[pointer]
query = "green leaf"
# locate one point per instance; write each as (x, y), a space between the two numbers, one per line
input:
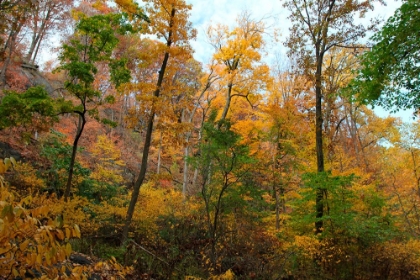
(390, 70)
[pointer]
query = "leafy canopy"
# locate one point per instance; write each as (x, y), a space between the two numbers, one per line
(390, 71)
(19, 109)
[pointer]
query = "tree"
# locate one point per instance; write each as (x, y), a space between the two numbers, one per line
(20, 109)
(390, 70)
(286, 131)
(169, 21)
(13, 20)
(356, 222)
(238, 56)
(318, 26)
(43, 17)
(229, 161)
(207, 82)
(94, 41)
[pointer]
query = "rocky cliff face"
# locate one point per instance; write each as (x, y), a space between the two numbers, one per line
(35, 78)
(22, 76)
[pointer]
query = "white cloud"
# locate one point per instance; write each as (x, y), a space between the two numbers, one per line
(205, 13)
(225, 12)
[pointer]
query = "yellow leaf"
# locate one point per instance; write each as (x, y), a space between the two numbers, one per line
(7, 163)
(98, 266)
(50, 236)
(2, 168)
(4, 250)
(24, 245)
(33, 258)
(39, 259)
(68, 249)
(76, 227)
(27, 200)
(48, 258)
(63, 269)
(60, 234)
(68, 233)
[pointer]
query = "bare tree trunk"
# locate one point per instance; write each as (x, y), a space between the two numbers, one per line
(159, 154)
(148, 138)
(185, 174)
(80, 127)
(319, 146)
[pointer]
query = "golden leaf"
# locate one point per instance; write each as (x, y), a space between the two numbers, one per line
(4, 250)
(68, 249)
(2, 168)
(76, 227)
(39, 259)
(24, 245)
(7, 163)
(60, 234)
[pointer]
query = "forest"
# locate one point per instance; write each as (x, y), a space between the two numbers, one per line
(124, 157)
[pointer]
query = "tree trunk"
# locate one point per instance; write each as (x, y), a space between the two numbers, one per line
(148, 138)
(319, 149)
(227, 105)
(159, 154)
(10, 45)
(80, 127)
(185, 174)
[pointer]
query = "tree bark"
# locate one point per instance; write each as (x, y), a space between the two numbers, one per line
(37, 37)
(318, 136)
(80, 127)
(148, 139)
(227, 105)
(10, 46)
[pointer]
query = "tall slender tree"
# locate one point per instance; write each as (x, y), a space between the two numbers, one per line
(318, 26)
(94, 41)
(169, 21)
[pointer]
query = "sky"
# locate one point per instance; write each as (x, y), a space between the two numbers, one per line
(205, 13)
(210, 12)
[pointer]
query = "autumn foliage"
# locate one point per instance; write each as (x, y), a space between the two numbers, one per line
(126, 158)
